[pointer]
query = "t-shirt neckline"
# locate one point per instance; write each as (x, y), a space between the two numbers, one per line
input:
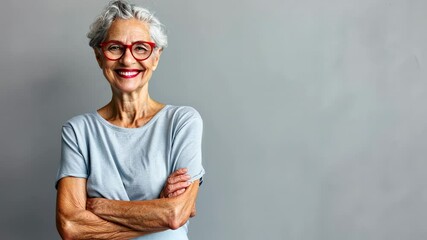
(123, 129)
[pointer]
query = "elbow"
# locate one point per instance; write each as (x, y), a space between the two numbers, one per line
(177, 219)
(66, 228)
(174, 224)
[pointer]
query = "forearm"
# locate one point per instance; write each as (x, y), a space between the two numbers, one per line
(150, 215)
(83, 224)
(146, 216)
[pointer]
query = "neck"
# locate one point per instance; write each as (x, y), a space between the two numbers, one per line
(130, 110)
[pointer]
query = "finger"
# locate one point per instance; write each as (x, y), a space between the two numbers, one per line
(178, 178)
(177, 193)
(170, 188)
(180, 171)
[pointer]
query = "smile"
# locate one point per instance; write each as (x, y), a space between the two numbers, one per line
(127, 73)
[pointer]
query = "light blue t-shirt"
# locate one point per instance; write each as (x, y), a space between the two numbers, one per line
(133, 163)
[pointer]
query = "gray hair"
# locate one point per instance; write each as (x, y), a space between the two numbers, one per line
(124, 10)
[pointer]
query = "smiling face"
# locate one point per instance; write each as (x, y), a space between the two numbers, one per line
(128, 75)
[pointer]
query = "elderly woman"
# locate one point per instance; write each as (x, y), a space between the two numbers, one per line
(132, 168)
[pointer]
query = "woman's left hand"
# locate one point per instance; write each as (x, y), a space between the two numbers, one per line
(176, 184)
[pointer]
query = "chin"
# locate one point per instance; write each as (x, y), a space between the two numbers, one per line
(128, 87)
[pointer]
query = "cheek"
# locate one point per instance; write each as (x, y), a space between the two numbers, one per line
(151, 64)
(146, 65)
(108, 71)
(107, 66)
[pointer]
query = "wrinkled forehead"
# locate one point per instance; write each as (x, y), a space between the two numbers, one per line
(128, 31)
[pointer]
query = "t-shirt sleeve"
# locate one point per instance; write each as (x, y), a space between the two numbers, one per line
(187, 147)
(72, 162)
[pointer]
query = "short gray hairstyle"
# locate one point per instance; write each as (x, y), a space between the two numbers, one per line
(124, 10)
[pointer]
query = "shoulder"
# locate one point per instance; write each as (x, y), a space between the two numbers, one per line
(81, 121)
(183, 117)
(182, 113)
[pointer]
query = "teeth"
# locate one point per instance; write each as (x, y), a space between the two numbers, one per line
(128, 73)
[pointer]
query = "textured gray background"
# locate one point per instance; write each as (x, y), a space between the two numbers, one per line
(314, 112)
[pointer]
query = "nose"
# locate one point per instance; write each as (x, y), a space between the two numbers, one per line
(127, 57)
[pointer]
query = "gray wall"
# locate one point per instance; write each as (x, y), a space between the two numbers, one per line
(314, 112)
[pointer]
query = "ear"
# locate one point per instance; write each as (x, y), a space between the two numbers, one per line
(98, 56)
(156, 58)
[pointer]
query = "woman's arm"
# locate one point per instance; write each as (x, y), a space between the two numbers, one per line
(148, 215)
(120, 219)
(73, 221)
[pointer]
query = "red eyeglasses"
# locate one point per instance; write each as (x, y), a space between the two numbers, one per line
(114, 50)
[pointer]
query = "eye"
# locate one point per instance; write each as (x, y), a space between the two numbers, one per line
(115, 48)
(141, 48)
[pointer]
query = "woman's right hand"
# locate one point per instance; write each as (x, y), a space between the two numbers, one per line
(176, 184)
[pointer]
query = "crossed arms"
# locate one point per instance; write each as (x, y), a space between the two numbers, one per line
(79, 217)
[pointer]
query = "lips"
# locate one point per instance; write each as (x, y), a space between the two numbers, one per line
(127, 73)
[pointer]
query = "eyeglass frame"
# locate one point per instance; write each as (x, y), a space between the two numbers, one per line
(127, 46)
